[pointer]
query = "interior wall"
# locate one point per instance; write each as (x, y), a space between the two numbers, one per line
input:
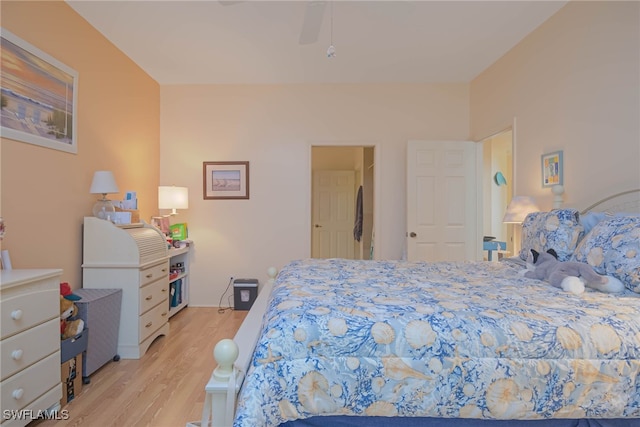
(500, 194)
(273, 126)
(337, 158)
(487, 181)
(45, 192)
(573, 85)
(360, 159)
(496, 157)
(368, 201)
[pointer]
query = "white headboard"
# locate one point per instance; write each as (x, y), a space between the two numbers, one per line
(625, 201)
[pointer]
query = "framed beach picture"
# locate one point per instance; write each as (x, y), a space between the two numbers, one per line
(225, 180)
(552, 169)
(39, 96)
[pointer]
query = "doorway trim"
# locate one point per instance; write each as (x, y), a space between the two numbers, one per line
(377, 152)
(506, 129)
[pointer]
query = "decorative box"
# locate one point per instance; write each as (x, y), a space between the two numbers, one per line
(179, 231)
(71, 373)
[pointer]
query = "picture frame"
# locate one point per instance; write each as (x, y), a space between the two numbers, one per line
(552, 169)
(161, 223)
(225, 180)
(39, 96)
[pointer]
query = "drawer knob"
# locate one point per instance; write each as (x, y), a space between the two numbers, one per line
(18, 393)
(16, 314)
(164, 314)
(16, 354)
(148, 325)
(149, 276)
(149, 298)
(164, 290)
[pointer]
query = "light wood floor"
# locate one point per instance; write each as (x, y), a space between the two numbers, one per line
(165, 388)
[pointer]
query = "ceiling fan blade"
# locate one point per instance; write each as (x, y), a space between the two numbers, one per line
(313, 15)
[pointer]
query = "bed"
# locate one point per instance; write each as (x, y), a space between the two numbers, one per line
(366, 343)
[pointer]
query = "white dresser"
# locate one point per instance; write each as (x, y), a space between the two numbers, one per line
(133, 258)
(30, 346)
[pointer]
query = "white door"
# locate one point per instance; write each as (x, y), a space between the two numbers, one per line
(333, 214)
(442, 203)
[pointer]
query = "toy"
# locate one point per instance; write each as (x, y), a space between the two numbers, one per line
(65, 291)
(569, 276)
(69, 327)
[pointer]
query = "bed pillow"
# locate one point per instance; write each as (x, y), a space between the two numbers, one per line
(590, 219)
(613, 247)
(559, 229)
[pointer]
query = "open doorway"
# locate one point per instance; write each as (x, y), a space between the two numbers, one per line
(498, 188)
(342, 202)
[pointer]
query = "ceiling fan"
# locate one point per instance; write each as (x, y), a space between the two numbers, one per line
(313, 17)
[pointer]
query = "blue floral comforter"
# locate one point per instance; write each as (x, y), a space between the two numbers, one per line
(453, 340)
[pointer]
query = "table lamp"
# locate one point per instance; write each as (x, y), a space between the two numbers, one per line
(518, 209)
(172, 197)
(103, 183)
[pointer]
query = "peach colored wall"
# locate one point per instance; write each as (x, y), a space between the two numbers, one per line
(274, 127)
(572, 85)
(45, 192)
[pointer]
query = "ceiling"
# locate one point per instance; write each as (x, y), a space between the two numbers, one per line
(257, 42)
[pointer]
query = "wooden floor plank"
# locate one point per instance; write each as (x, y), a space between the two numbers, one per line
(164, 388)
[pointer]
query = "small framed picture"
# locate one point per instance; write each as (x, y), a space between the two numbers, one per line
(552, 169)
(161, 223)
(225, 180)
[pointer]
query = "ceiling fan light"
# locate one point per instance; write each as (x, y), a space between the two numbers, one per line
(331, 52)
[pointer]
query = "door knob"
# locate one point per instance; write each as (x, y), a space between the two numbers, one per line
(317, 226)
(412, 234)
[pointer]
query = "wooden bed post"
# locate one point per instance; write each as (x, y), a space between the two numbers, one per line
(219, 404)
(558, 191)
(233, 358)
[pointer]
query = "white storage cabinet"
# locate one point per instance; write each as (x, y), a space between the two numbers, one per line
(134, 258)
(179, 285)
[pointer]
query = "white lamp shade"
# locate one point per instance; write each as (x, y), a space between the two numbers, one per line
(103, 183)
(518, 209)
(173, 197)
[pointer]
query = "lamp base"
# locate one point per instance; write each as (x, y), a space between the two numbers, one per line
(104, 209)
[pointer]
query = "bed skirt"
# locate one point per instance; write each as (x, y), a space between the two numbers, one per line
(350, 421)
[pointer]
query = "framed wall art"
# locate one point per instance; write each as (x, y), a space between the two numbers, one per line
(552, 169)
(39, 96)
(225, 180)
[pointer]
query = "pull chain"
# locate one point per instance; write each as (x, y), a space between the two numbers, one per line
(331, 52)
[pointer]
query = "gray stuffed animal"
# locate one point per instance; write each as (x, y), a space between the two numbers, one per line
(569, 276)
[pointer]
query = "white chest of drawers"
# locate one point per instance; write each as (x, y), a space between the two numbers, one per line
(135, 259)
(30, 343)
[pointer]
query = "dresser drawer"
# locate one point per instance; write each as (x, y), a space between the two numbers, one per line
(23, 311)
(20, 351)
(153, 294)
(153, 319)
(47, 400)
(153, 273)
(27, 385)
